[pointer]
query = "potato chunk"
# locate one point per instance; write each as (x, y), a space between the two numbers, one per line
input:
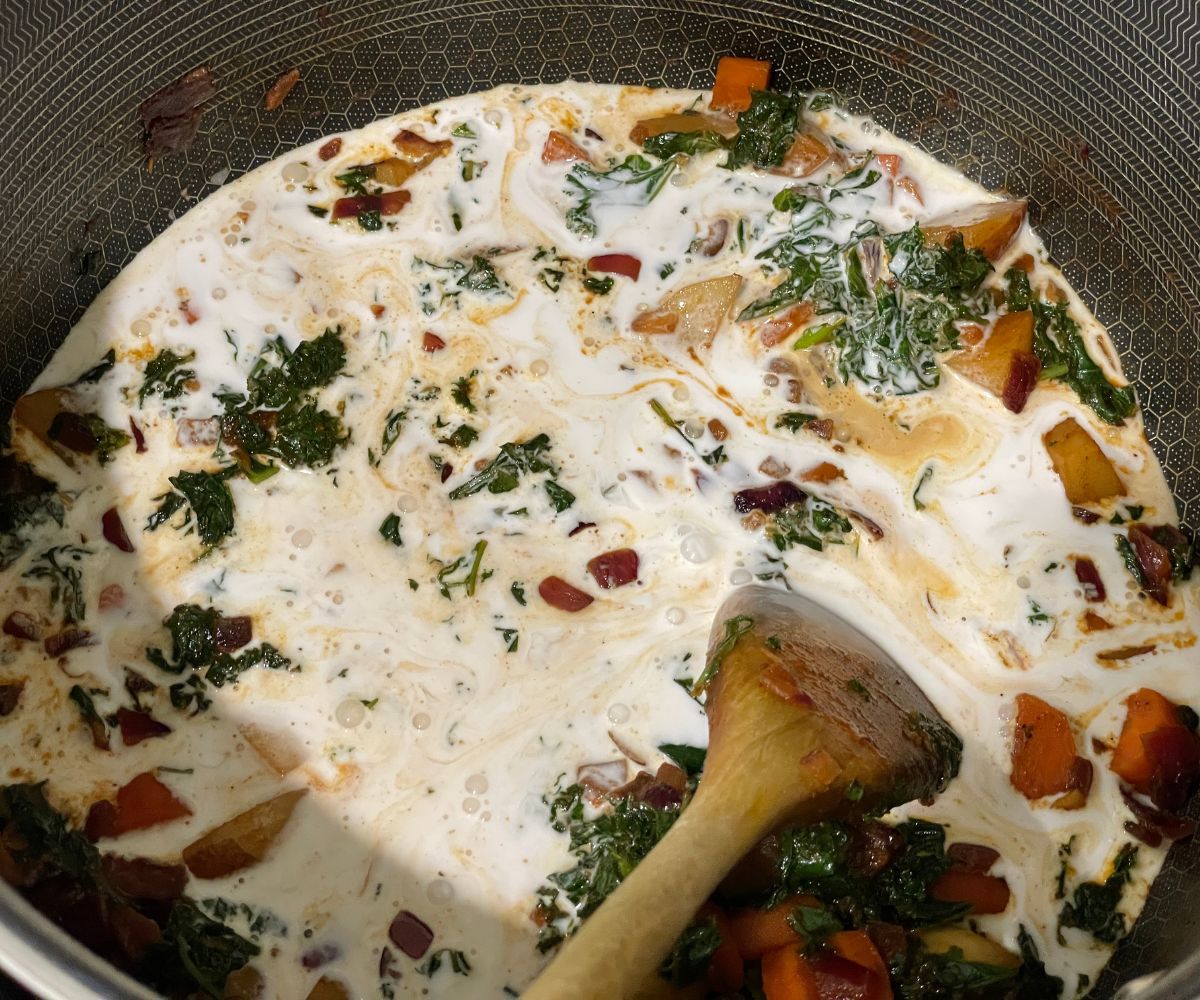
(988, 228)
(682, 121)
(989, 364)
(974, 947)
(242, 841)
(1086, 473)
(693, 313)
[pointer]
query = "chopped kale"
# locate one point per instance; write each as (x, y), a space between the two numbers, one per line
(391, 429)
(91, 717)
(390, 529)
(1020, 295)
(463, 436)
(902, 888)
(735, 628)
(461, 393)
(45, 836)
(165, 375)
(810, 522)
(193, 643)
(598, 286)
(518, 593)
(481, 277)
(471, 575)
(1060, 347)
(814, 924)
(668, 144)
(59, 566)
(503, 473)
(1033, 981)
(27, 501)
(1094, 906)
(926, 475)
(560, 497)
(947, 976)
(457, 961)
(936, 270)
(354, 180)
(98, 370)
(196, 951)
(369, 220)
(634, 181)
(690, 955)
(941, 740)
(306, 436)
(794, 420)
(312, 365)
(766, 129)
(209, 502)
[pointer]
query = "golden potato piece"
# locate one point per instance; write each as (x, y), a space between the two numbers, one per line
(35, 412)
(974, 947)
(278, 751)
(809, 152)
(245, 983)
(242, 841)
(990, 363)
(1086, 473)
(693, 313)
(988, 228)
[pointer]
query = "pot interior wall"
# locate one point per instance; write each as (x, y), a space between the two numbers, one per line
(1090, 108)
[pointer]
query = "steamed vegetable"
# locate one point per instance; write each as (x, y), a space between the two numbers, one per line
(1087, 474)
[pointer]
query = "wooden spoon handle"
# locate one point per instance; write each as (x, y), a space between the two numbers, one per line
(620, 946)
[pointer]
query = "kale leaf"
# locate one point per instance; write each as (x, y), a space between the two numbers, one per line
(690, 955)
(947, 976)
(165, 375)
(634, 181)
(809, 522)
(1064, 356)
(668, 144)
(503, 473)
(98, 370)
(766, 129)
(933, 269)
(46, 836)
(690, 759)
(210, 504)
(59, 566)
(307, 436)
(1093, 907)
(27, 501)
(196, 951)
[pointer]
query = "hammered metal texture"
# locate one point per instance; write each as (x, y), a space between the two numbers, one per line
(1090, 107)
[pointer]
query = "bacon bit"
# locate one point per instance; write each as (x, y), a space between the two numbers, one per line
(1125, 652)
(138, 726)
(280, 89)
(1155, 821)
(10, 695)
(875, 846)
(718, 430)
(447, 471)
(581, 526)
(655, 321)
(556, 592)
(197, 432)
(710, 244)
(112, 596)
(410, 934)
(321, 954)
(826, 472)
(1092, 622)
(1089, 579)
(114, 530)
(808, 153)
(598, 780)
(769, 499)
(143, 879)
(139, 439)
(971, 857)
(386, 969)
(822, 428)
(780, 327)
(1174, 753)
(66, 640)
(780, 681)
(189, 314)
(388, 203)
(143, 802)
(615, 568)
(418, 149)
(171, 116)
(22, 626)
(1154, 559)
(889, 163)
(1085, 515)
(1022, 379)
(623, 264)
(864, 522)
(377, 310)
(431, 343)
(230, 633)
(560, 149)
(330, 149)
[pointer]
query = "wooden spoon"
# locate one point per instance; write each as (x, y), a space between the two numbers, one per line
(807, 718)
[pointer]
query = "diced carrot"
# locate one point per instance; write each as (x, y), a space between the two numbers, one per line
(890, 162)
(786, 975)
(1145, 712)
(736, 77)
(858, 947)
(1043, 754)
(985, 893)
(560, 149)
(144, 801)
(756, 932)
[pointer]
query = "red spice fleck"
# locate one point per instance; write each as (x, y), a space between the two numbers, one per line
(112, 595)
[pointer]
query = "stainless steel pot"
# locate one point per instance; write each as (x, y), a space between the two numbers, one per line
(1091, 107)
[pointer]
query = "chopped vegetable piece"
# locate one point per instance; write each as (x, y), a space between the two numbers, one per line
(1087, 474)
(787, 975)
(1146, 712)
(988, 228)
(114, 530)
(410, 934)
(1044, 759)
(143, 802)
(990, 365)
(560, 149)
(556, 592)
(241, 841)
(694, 313)
(756, 932)
(985, 893)
(1089, 579)
(615, 568)
(623, 264)
(138, 726)
(736, 78)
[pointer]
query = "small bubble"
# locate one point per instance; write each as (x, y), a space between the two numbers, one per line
(338, 597)
(618, 713)
(697, 547)
(771, 379)
(231, 240)
(295, 173)
(1023, 582)
(676, 616)
(406, 502)
(740, 577)
(494, 119)
(302, 539)
(439, 891)
(470, 806)
(681, 394)
(218, 294)
(539, 368)
(350, 713)
(477, 784)
(421, 721)
(694, 429)
(140, 328)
